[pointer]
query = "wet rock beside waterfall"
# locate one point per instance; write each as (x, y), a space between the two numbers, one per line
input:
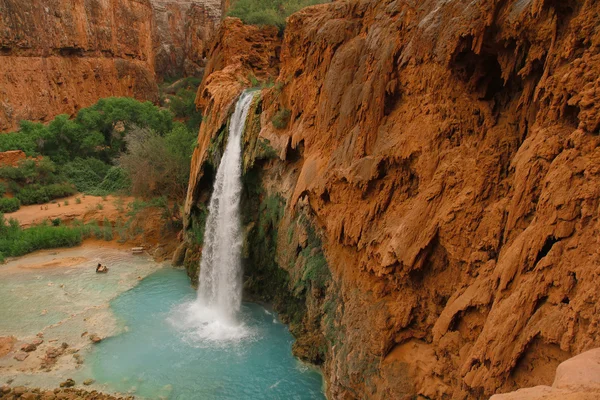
(68, 383)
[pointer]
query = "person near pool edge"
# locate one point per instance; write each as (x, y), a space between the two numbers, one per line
(101, 268)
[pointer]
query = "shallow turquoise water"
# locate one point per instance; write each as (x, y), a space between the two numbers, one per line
(155, 358)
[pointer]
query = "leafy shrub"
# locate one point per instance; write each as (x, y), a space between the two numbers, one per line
(85, 173)
(56, 222)
(281, 118)
(3, 189)
(159, 165)
(107, 230)
(15, 241)
(121, 229)
(78, 200)
(83, 150)
(268, 12)
(30, 171)
(116, 180)
(119, 204)
(264, 149)
(37, 194)
(95, 230)
(8, 205)
(93, 133)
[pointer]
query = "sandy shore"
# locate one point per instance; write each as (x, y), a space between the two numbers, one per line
(88, 208)
(54, 305)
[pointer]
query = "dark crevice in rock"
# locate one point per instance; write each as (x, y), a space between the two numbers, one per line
(543, 252)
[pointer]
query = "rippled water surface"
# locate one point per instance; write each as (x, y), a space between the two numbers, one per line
(160, 355)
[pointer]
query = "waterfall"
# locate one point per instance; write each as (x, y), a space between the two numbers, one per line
(220, 268)
(213, 316)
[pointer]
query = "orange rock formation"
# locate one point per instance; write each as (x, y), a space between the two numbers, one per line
(57, 57)
(11, 158)
(448, 152)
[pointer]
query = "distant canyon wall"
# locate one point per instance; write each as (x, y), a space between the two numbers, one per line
(182, 31)
(57, 56)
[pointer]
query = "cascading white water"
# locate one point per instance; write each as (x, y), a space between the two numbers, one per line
(213, 316)
(220, 268)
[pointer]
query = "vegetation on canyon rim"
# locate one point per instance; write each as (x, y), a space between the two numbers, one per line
(268, 12)
(116, 146)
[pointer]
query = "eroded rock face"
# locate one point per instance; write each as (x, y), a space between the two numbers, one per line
(60, 56)
(448, 154)
(57, 56)
(578, 378)
(237, 51)
(182, 33)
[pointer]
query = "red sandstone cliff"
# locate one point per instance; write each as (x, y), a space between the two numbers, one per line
(183, 29)
(448, 151)
(236, 51)
(57, 56)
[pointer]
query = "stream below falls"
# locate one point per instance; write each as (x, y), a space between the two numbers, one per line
(158, 357)
(149, 349)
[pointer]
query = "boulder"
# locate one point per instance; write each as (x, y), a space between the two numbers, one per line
(95, 338)
(28, 347)
(21, 356)
(68, 383)
(19, 390)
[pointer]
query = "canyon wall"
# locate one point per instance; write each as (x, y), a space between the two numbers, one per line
(183, 29)
(57, 56)
(424, 178)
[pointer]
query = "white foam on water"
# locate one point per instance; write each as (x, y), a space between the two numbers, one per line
(202, 326)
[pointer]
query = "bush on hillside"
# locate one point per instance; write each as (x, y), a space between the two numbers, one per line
(15, 241)
(116, 180)
(41, 171)
(96, 131)
(158, 165)
(8, 205)
(85, 173)
(268, 12)
(83, 150)
(281, 118)
(38, 194)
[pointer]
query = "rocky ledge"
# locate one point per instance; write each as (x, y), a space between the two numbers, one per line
(21, 392)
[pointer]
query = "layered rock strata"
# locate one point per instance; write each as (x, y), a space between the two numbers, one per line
(183, 30)
(57, 56)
